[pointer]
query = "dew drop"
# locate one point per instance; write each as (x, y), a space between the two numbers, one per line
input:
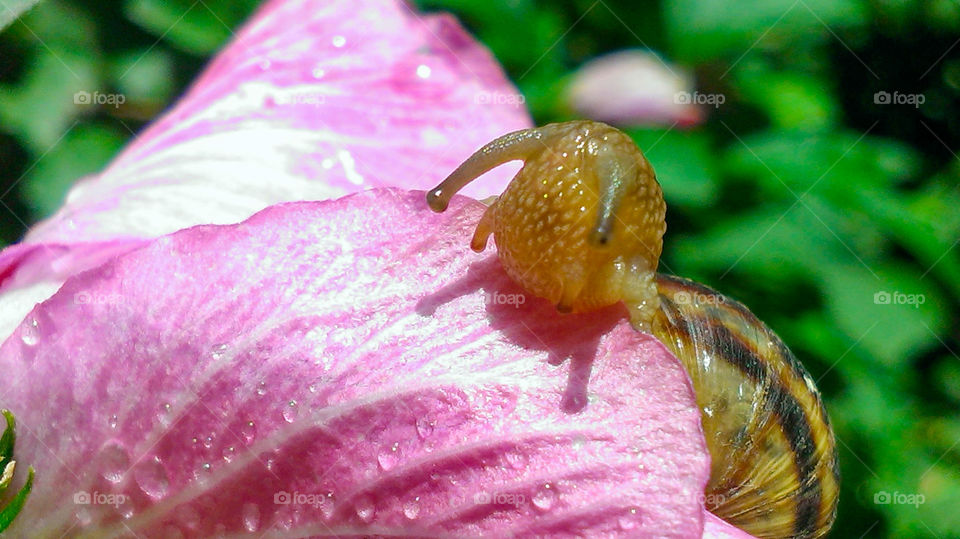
(290, 411)
(339, 41)
(112, 421)
(218, 352)
(329, 504)
(389, 458)
(424, 428)
(249, 431)
(262, 388)
(423, 71)
(151, 477)
(84, 518)
(251, 516)
(114, 461)
(412, 508)
(229, 453)
(545, 497)
(630, 520)
(517, 461)
(188, 516)
(163, 416)
(31, 333)
(208, 442)
(365, 509)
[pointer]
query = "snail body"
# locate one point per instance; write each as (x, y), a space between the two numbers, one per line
(581, 225)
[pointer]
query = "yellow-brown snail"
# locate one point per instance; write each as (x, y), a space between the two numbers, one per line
(581, 225)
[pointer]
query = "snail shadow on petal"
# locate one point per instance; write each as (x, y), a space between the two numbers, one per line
(534, 323)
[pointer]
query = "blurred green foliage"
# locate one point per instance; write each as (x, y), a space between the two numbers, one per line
(800, 195)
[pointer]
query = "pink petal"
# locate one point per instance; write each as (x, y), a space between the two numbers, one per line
(634, 87)
(314, 350)
(312, 100)
(715, 528)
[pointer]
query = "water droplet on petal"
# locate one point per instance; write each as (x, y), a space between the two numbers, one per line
(412, 508)
(114, 461)
(545, 497)
(251, 516)
(339, 41)
(112, 421)
(249, 431)
(423, 71)
(31, 333)
(365, 509)
(517, 461)
(389, 458)
(329, 504)
(83, 516)
(218, 352)
(290, 411)
(163, 416)
(424, 428)
(630, 520)
(262, 388)
(151, 477)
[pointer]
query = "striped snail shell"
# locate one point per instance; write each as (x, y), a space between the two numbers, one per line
(774, 463)
(581, 225)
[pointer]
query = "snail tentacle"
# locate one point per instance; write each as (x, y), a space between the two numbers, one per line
(510, 147)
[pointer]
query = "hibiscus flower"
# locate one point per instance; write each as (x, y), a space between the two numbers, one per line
(251, 322)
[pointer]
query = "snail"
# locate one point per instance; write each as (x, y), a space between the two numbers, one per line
(581, 225)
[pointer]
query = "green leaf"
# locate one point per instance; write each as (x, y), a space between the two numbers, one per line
(685, 164)
(144, 76)
(196, 28)
(789, 163)
(710, 29)
(13, 9)
(885, 309)
(791, 99)
(10, 512)
(8, 439)
(84, 150)
(44, 105)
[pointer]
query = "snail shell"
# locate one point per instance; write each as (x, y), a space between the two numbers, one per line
(774, 464)
(581, 225)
